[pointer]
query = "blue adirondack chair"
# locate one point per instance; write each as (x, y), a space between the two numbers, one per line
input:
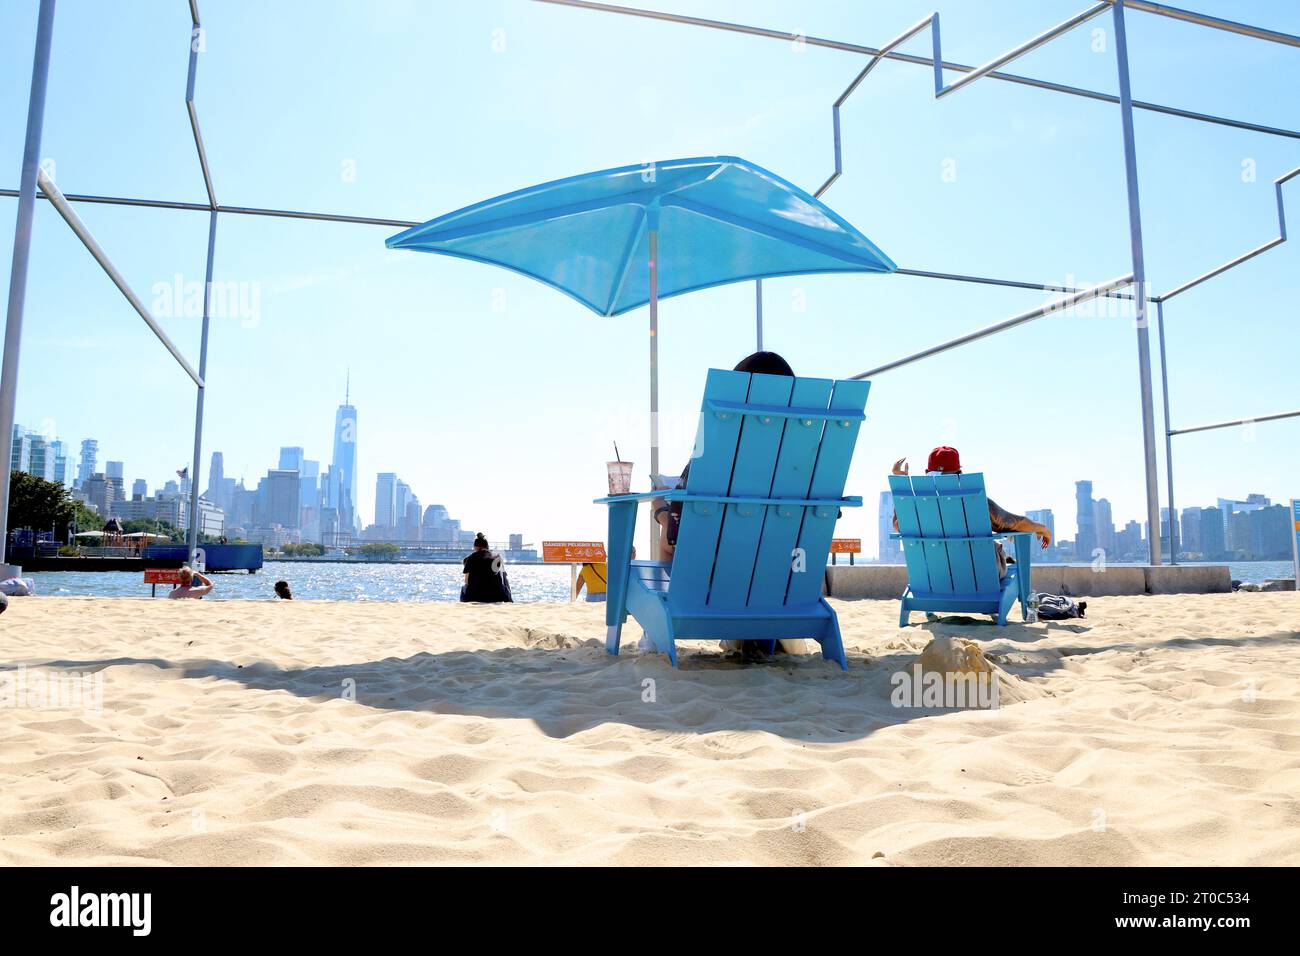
(758, 513)
(948, 544)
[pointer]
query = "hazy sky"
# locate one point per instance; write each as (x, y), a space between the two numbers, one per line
(499, 397)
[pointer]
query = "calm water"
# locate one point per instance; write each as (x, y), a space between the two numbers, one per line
(310, 581)
(400, 582)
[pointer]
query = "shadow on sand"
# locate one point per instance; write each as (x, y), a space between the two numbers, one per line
(575, 687)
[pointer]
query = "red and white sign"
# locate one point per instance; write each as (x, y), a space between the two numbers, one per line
(573, 552)
(162, 575)
(846, 545)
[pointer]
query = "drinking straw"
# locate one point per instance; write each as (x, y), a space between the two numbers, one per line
(616, 455)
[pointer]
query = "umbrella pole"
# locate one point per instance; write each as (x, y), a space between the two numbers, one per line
(758, 312)
(654, 380)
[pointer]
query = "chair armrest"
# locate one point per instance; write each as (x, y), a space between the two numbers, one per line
(635, 497)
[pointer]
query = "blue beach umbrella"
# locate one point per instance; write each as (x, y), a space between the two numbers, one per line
(622, 238)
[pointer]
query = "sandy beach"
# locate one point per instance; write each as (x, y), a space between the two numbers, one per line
(1158, 730)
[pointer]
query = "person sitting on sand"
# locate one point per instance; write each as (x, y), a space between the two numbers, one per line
(282, 591)
(188, 589)
(669, 516)
(945, 460)
(485, 582)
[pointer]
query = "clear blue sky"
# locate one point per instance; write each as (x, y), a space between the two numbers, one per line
(506, 414)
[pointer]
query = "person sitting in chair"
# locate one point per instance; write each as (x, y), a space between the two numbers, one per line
(669, 517)
(945, 460)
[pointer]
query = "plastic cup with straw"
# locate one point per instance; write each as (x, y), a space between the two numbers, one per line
(620, 474)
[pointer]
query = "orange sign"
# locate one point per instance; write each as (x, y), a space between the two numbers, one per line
(162, 576)
(846, 545)
(573, 552)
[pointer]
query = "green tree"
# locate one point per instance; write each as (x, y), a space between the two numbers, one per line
(378, 549)
(46, 505)
(308, 549)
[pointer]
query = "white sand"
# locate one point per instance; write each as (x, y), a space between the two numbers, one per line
(1159, 730)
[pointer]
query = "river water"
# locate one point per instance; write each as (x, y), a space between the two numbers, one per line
(396, 582)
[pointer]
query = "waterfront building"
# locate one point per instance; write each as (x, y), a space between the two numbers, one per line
(1189, 530)
(1213, 537)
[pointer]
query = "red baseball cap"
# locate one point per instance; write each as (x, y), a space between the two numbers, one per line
(944, 459)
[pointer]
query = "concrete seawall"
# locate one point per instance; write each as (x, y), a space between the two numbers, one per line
(887, 581)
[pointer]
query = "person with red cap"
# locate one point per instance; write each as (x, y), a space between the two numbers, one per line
(945, 460)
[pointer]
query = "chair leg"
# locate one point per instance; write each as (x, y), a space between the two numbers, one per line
(903, 612)
(1004, 605)
(622, 518)
(832, 643)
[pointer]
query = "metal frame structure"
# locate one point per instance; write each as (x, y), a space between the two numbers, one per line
(992, 70)
(27, 194)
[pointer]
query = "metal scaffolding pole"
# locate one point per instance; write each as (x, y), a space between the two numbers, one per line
(1254, 419)
(1140, 286)
(936, 63)
(202, 391)
(1051, 308)
(1169, 444)
(196, 43)
(79, 228)
(21, 259)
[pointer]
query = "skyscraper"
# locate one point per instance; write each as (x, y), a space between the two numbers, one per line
(1189, 526)
(59, 452)
(890, 551)
(89, 460)
(291, 459)
(115, 469)
(386, 499)
(342, 494)
(1086, 518)
(216, 492)
(401, 497)
(21, 456)
(1104, 525)
(1044, 517)
(281, 498)
(1213, 534)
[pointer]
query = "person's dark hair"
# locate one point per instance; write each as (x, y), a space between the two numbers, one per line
(768, 363)
(282, 589)
(480, 541)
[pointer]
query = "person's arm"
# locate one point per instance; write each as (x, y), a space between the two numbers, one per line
(1003, 520)
(205, 587)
